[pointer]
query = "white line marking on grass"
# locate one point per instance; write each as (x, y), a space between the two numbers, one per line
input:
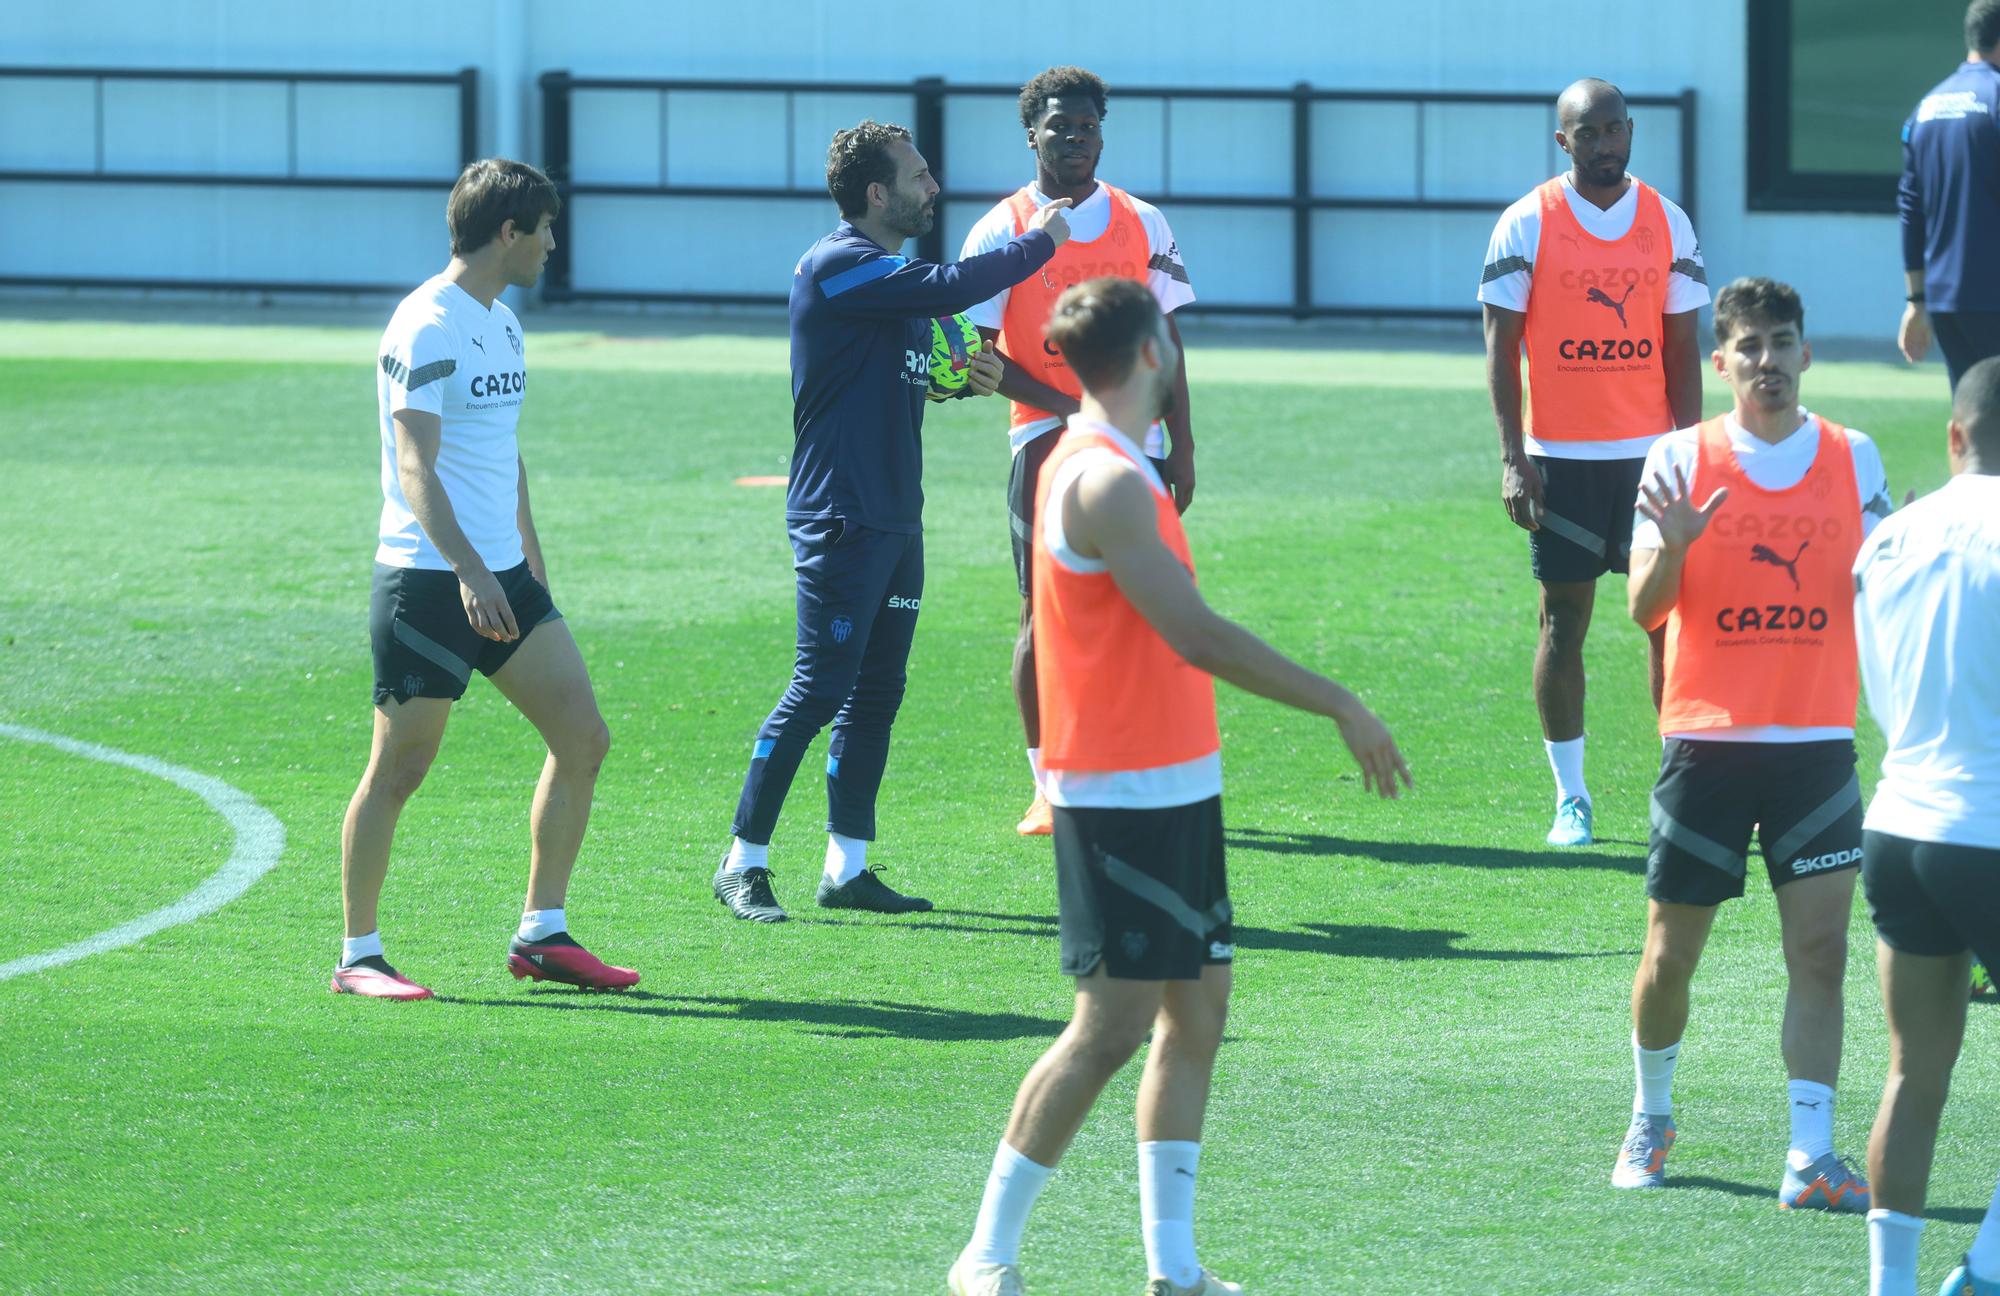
(260, 840)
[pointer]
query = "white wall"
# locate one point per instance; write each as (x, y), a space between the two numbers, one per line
(1847, 266)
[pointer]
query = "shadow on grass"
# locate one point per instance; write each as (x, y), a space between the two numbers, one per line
(953, 920)
(837, 1018)
(1488, 857)
(1397, 944)
(1949, 1214)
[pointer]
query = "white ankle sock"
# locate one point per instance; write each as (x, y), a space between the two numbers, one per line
(1566, 759)
(846, 857)
(361, 947)
(1984, 1257)
(1035, 765)
(1654, 1095)
(1812, 1122)
(1166, 1209)
(746, 855)
(1011, 1189)
(1892, 1253)
(540, 924)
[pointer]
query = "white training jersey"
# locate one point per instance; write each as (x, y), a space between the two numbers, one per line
(1927, 615)
(1510, 270)
(446, 354)
(1774, 468)
(1166, 275)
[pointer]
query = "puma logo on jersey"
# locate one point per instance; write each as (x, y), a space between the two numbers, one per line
(476, 342)
(1603, 298)
(1766, 554)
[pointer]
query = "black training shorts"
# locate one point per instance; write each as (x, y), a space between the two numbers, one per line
(1932, 899)
(1802, 800)
(1587, 518)
(1143, 892)
(424, 646)
(1023, 481)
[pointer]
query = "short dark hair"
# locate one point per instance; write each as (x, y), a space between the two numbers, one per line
(857, 158)
(1975, 406)
(1099, 326)
(1758, 298)
(1059, 83)
(1982, 25)
(491, 192)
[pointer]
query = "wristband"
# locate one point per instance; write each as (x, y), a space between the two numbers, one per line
(1915, 299)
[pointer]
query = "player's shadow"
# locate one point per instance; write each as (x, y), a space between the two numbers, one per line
(1432, 853)
(836, 1018)
(1949, 1214)
(1397, 944)
(954, 920)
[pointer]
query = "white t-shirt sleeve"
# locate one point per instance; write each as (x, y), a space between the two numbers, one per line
(1166, 273)
(1687, 282)
(416, 361)
(1510, 256)
(1675, 450)
(1871, 481)
(994, 231)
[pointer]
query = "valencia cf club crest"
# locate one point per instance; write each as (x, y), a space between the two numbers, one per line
(513, 338)
(1119, 236)
(1644, 235)
(1134, 944)
(840, 628)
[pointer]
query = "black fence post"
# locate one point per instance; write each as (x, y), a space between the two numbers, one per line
(1689, 170)
(556, 283)
(468, 114)
(929, 92)
(1302, 212)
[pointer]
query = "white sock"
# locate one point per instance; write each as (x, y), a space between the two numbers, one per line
(744, 855)
(846, 858)
(1566, 759)
(1984, 1257)
(1654, 1095)
(361, 947)
(1011, 1189)
(1035, 765)
(1812, 1122)
(540, 924)
(1892, 1253)
(1166, 1209)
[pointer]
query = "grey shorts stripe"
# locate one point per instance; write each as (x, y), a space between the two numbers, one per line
(1573, 533)
(1818, 821)
(417, 641)
(1705, 849)
(1163, 897)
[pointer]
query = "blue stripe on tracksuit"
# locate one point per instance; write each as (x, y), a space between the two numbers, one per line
(853, 647)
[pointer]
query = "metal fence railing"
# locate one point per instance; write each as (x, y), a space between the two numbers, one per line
(931, 99)
(96, 170)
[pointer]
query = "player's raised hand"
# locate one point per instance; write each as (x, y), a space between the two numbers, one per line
(1375, 751)
(987, 368)
(1667, 506)
(1054, 220)
(1521, 493)
(486, 606)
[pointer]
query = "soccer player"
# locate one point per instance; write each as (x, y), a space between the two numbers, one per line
(1949, 201)
(461, 584)
(1598, 279)
(1125, 648)
(861, 346)
(1757, 718)
(1111, 232)
(1927, 613)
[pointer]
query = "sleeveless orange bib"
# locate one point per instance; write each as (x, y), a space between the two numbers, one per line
(1121, 251)
(1594, 330)
(1114, 696)
(1763, 630)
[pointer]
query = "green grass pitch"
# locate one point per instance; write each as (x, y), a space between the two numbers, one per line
(1427, 1072)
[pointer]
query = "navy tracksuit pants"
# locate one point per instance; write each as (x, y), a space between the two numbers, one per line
(858, 594)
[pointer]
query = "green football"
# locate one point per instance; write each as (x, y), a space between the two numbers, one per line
(954, 341)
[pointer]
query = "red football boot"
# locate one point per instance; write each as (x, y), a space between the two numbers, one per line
(559, 958)
(373, 978)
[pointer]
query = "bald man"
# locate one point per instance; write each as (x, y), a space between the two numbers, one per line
(1598, 280)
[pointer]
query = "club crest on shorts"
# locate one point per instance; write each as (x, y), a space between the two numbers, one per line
(413, 685)
(1134, 944)
(840, 628)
